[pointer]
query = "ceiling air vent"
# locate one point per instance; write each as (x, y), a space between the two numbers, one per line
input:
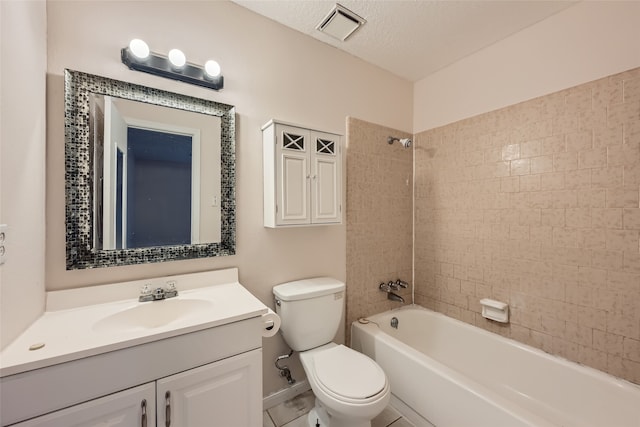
(340, 23)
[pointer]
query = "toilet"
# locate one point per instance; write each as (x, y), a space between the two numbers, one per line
(350, 388)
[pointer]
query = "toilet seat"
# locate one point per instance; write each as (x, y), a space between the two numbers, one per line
(348, 375)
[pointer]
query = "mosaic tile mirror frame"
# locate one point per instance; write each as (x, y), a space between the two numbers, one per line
(81, 252)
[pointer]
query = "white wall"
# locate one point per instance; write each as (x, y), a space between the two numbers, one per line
(22, 163)
(584, 42)
(270, 72)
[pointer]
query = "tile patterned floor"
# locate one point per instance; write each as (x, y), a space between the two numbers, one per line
(293, 413)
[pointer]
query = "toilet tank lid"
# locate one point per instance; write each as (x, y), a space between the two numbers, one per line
(308, 288)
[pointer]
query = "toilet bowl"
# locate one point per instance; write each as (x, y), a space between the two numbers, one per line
(350, 388)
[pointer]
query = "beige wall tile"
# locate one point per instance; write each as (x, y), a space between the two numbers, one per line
(549, 222)
(521, 167)
(531, 149)
(606, 136)
(541, 164)
(552, 181)
(621, 155)
(596, 158)
(622, 240)
(530, 183)
(578, 217)
(580, 141)
(631, 349)
(592, 238)
(631, 90)
(622, 198)
(565, 161)
(511, 152)
(623, 113)
(608, 342)
(606, 218)
(578, 179)
(610, 177)
(631, 262)
(552, 217)
(608, 260)
(379, 235)
(554, 144)
(631, 176)
(510, 184)
(593, 198)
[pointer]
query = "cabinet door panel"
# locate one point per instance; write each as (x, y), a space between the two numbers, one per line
(326, 190)
(292, 184)
(326, 185)
(122, 409)
(227, 393)
(293, 190)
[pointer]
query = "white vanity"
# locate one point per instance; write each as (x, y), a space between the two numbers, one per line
(107, 359)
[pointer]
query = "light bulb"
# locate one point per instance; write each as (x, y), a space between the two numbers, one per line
(177, 58)
(212, 68)
(139, 48)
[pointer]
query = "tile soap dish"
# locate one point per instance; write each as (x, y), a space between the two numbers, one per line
(495, 310)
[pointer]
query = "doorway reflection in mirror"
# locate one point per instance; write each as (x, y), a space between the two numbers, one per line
(156, 183)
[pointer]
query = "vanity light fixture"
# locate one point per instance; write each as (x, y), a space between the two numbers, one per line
(177, 58)
(139, 49)
(137, 56)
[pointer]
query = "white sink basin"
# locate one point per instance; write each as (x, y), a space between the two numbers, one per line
(153, 314)
(83, 322)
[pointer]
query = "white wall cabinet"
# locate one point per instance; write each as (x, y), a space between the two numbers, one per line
(302, 176)
(225, 393)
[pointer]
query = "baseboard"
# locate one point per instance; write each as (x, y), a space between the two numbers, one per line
(285, 394)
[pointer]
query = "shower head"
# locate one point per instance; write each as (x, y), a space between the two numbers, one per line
(405, 142)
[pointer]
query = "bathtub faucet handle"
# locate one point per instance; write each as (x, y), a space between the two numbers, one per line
(400, 284)
(385, 287)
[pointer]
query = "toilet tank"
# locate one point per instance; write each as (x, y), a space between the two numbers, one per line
(310, 311)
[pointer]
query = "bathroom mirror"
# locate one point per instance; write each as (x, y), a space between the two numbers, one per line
(149, 174)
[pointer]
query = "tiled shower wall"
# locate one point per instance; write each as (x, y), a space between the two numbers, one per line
(379, 217)
(536, 205)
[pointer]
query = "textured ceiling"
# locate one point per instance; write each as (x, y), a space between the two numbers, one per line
(413, 38)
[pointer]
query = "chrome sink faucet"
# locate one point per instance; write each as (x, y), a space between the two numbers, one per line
(158, 294)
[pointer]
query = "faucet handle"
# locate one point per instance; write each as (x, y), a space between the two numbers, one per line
(146, 293)
(171, 290)
(400, 284)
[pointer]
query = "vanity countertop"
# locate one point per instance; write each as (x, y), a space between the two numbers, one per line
(84, 322)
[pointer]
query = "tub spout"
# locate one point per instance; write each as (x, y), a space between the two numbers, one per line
(395, 297)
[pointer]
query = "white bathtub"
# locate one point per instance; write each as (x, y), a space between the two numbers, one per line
(450, 373)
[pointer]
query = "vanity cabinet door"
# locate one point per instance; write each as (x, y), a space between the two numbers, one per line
(227, 393)
(135, 407)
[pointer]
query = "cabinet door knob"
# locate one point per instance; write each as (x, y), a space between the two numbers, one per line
(167, 409)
